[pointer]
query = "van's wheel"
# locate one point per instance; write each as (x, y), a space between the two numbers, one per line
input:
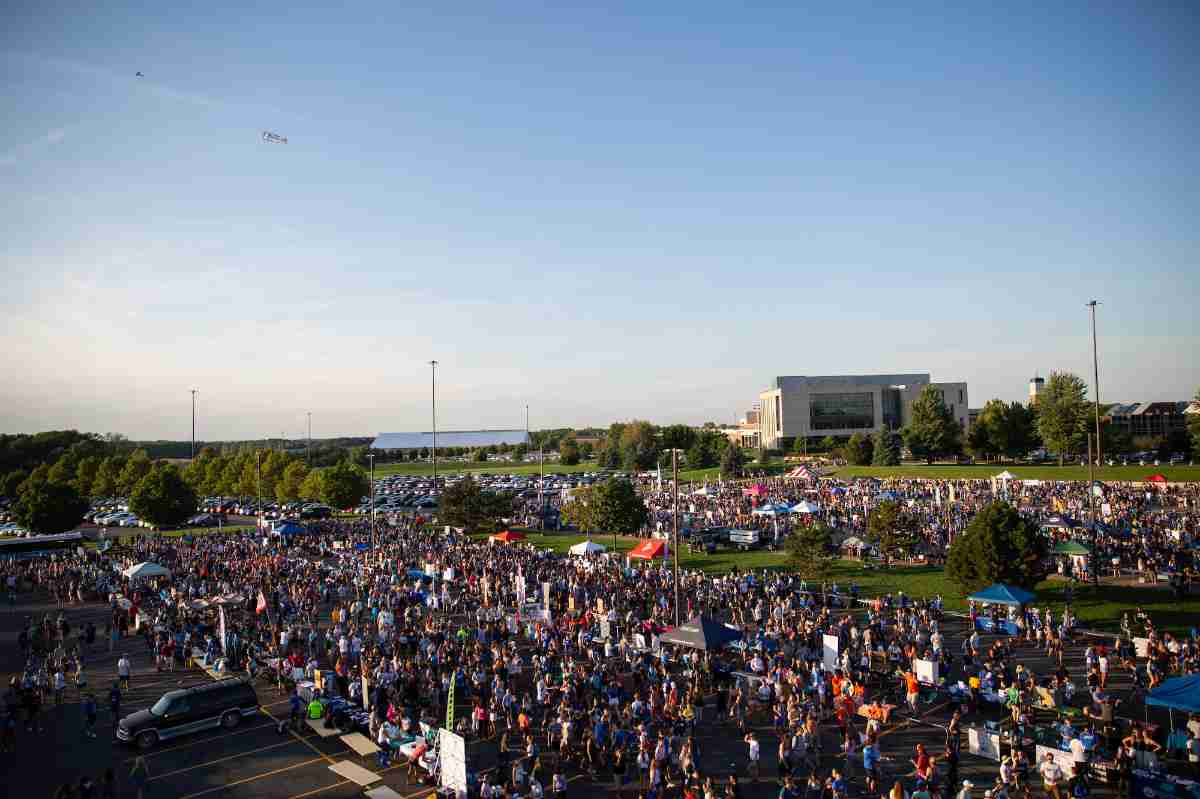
(231, 719)
(147, 739)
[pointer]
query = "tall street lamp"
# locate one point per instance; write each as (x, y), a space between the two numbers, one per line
(433, 394)
(1096, 377)
(675, 524)
(194, 390)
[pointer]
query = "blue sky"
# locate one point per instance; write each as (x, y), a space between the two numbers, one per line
(602, 212)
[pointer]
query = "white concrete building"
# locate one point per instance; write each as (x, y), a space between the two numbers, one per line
(841, 405)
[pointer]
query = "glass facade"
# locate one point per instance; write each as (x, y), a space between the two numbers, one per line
(842, 411)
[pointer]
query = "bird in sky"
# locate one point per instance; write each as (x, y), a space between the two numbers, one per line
(140, 75)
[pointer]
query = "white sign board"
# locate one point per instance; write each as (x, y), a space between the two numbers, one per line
(453, 755)
(829, 651)
(1065, 760)
(926, 671)
(983, 743)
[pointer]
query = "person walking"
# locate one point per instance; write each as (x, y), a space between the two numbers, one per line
(138, 774)
(754, 753)
(89, 715)
(114, 703)
(124, 671)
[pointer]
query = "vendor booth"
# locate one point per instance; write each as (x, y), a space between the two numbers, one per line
(649, 549)
(588, 547)
(1000, 594)
(146, 571)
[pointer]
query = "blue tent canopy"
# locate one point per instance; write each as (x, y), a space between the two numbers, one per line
(1177, 693)
(1000, 594)
(289, 528)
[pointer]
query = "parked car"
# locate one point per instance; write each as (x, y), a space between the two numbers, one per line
(218, 704)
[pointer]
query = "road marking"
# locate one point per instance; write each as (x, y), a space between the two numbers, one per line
(204, 740)
(223, 759)
(316, 791)
(304, 741)
(251, 779)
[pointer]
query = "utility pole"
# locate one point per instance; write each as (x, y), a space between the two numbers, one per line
(194, 423)
(308, 446)
(675, 515)
(1096, 377)
(1093, 560)
(433, 393)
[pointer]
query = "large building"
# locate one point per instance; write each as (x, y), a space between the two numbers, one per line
(842, 405)
(1157, 419)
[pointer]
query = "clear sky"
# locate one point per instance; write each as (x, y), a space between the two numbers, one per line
(605, 213)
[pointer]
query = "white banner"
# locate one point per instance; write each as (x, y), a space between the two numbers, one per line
(221, 612)
(983, 743)
(926, 671)
(830, 651)
(452, 752)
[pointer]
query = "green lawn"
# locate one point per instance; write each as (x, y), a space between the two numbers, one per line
(1100, 609)
(458, 467)
(951, 472)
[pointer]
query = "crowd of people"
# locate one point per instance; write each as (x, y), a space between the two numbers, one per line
(559, 661)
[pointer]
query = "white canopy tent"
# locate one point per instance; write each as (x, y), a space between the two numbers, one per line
(703, 492)
(804, 506)
(586, 548)
(1006, 475)
(145, 570)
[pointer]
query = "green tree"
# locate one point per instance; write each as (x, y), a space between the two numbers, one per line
(163, 497)
(519, 452)
(613, 506)
(809, 552)
(829, 443)
(859, 450)
(587, 451)
(50, 508)
(39, 475)
(480, 455)
(1062, 412)
(136, 467)
(213, 469)
(800, 445)
(639, 446)
(108, 476)
(344, 485)
(288, 487)
(12, 482)
(63, 469)
(86, 472)
(998, 546)
(678, 436)
(468, 506)
(1194, 424)
(885, 449)
(1020, 424)
(732, 462)
(568, 451)
(764, 456)
(932, 430)
(892, 528)
(988, 437)
(313, 487)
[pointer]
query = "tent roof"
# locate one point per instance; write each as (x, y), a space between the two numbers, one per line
(450, 438)
(1178, 693)
(702, 633)
(804, 506)
(1000, 594)
(649, 549)
(1005, 475)
(1156, 478)
(147, 569)
(586, 548)
(508, 536)
(1071, 548)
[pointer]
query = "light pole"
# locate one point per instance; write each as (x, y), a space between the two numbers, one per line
(194, 390)
(675, 523)
(1096, 377)
(433, 394)
(1093, 561)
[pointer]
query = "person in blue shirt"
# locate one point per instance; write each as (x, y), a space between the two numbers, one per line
(114, 703)
(89, 715)
(871, 757)
(297, 708)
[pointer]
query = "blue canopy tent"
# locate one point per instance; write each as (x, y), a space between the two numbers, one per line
(1001, 594)
(1177, 693)
(289, 528)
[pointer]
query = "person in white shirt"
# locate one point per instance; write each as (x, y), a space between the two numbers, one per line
(124, 671)
(754, 753)
(1051, 776)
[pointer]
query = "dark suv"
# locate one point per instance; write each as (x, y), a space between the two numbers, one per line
(219, 704)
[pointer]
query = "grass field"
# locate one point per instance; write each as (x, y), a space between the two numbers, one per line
(1099, 609)
(950, 472)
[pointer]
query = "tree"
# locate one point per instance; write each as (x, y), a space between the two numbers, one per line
(610, 507)
(639, 446)
(885, 449)
(731, 461)
(63, 470)
(36, 477)
(1020, 424)
(519, 452)
(932, 430)
(809, 551)
(108, 476)
(988, 436)
(568, 451)
(800, 445)
(288, 487)
(678, 436)
(998, 546)
(86, 472)
(891, 526)
(1194, 424)
(1062, 410)
(828, 443)
(163, 497)
(480, 455)
(12, 481)
(343, 485)
(587, 451)
(313, 487)
(137, 467)
(50, 508)
(465, 504)
(859, 450)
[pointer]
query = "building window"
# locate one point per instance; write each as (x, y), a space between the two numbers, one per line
(779, 414)
(960, 399)
(842, 411)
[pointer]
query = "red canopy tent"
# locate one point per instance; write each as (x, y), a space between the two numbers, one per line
(508, 536)
(1156, 478)
(649, 549)
(756, 490)
(800, 473)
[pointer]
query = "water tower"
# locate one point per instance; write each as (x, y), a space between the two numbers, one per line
(1035, 389)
